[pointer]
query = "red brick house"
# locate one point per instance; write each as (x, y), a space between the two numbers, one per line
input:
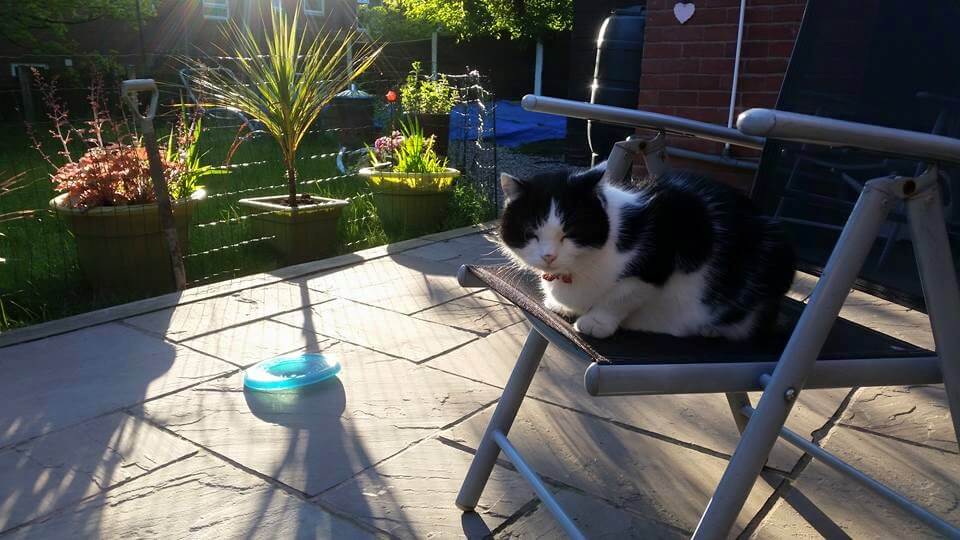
(687, 68)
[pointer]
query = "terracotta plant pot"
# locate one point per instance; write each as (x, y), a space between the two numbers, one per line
(120, 249)
(305, 233)
(410, 203)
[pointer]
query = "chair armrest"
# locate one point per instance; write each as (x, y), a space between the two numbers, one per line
(639, 119)
(466, 278)
(829, 132)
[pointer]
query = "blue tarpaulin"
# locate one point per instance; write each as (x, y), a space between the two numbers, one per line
(515, 126)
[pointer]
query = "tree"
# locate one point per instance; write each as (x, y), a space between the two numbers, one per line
(43, 25)
(515, 19)
(291, 79)
(388, 23)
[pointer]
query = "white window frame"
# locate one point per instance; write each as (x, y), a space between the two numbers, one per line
(209, 5)
(15, 65)
(315, 12)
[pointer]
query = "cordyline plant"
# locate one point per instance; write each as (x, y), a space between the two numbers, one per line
(286, 83)
(113, 169)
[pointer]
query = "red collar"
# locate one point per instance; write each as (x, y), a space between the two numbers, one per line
(566, 278)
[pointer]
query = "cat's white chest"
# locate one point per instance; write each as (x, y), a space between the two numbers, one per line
(587, 286)
(574, 297)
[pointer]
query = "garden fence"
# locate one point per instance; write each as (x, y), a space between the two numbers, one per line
(42, 278)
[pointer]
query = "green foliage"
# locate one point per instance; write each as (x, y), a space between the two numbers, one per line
(416, 154)
(420, 95)
(516, 19)
(7, 187)
(285, 83)
(43, 25)
(468, 207)
(183, 148)
(387, 23)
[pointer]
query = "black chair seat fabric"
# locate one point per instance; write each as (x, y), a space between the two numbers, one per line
(847, 339)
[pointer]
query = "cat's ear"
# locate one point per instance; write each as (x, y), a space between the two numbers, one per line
(512, 186)
(589, 178)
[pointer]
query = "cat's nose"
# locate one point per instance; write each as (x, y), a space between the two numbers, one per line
(549, 258)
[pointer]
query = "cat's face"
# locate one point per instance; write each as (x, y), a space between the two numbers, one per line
(551, 221)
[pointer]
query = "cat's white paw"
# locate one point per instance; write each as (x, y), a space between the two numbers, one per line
(597, 324)
(558, 308)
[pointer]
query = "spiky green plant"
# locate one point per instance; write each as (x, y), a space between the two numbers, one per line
(286, 82)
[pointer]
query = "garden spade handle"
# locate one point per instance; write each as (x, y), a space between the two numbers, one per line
(129, 89)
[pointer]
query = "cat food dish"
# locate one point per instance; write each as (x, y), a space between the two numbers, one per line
(679, 255)
(290, 372)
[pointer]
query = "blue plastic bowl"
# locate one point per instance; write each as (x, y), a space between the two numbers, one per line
(290, 372)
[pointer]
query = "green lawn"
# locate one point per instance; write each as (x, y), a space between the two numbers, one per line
(40, 280)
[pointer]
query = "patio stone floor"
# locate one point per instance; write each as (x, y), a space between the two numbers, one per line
(133, 422)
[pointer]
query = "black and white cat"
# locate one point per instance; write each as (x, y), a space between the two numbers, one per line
(680, 255)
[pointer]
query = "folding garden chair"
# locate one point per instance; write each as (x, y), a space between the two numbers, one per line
(812, 348)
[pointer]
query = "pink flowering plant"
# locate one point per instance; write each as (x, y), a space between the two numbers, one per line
(110, 167)
(411, 158)
(384, 147)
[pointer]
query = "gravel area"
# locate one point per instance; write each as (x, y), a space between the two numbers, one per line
(519, 164)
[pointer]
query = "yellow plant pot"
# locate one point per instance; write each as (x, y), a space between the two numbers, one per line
(411, 203)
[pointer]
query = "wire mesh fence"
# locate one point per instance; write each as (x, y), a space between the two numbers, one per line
(65, 261)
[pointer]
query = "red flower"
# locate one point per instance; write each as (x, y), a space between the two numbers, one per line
(391, 96)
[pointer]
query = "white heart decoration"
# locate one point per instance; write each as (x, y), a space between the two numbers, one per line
(683, 11)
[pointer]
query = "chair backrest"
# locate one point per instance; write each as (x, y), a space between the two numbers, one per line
(892, 63)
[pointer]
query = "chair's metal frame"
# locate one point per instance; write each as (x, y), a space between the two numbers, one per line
(798, 367)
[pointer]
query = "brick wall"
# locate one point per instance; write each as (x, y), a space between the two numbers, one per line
(688, 68)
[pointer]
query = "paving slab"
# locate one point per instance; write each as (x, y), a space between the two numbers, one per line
(658, 480)
(595, 519)
(889, 318)
(700, 419)
(412, 495)
(62, 468)
(481, 312)
(472, 249)
(189, 320)
(314, 439)
(248, 344)
(199, 497)
(62, 380)
(379, 329)
(825, 503)
(399, 283)
(918, 414)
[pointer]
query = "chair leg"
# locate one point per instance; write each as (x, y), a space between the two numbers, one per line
(503, 416)
(797, 359)
(737, 401)
(939, 279)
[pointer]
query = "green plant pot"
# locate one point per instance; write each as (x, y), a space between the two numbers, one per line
(302, 234)
(120, 249)
(409, 203)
